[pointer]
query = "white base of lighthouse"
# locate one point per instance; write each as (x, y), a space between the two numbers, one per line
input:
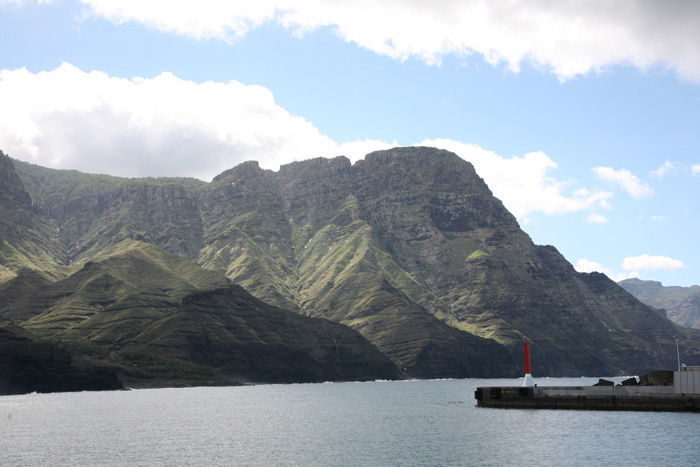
(528, 382)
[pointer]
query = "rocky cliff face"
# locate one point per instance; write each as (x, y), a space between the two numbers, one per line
(164, 215)
(11, 187)
(408, 247)
(26, 239)
(92, 212)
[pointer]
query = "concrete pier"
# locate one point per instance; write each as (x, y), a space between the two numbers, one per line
(658, 391)
(655, 399)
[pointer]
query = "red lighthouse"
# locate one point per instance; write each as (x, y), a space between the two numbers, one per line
(528, 382)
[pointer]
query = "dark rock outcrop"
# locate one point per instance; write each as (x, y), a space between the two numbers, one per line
(30, 366)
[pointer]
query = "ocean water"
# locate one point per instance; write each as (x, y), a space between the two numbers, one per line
(406, 423)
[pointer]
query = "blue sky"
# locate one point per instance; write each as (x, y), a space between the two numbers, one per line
(582, 117)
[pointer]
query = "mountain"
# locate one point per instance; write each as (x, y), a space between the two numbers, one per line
(413, 232)
(682, 304)
(159, 318)
(408, 247)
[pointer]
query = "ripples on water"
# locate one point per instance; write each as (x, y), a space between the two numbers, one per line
(426, 423)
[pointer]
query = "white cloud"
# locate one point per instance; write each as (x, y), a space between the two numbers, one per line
(203, 19)
(632, 266)
(567, 37)
(595, 218)
(625, 179)
(636, 263)
(663, 169)
(584, 265)
(658, 218)
(523, 184)
(67, 118)
(21, 2)
(695, 169)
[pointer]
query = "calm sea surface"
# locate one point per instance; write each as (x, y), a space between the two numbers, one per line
(430, 423)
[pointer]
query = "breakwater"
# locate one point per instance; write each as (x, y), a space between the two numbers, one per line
(638, 398)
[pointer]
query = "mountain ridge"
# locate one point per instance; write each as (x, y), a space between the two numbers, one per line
(682, 304)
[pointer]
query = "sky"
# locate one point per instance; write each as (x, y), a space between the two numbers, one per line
(582, 117)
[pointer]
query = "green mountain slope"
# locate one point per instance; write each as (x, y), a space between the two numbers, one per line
(165, 319)
(105, 299)
(244, 338)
